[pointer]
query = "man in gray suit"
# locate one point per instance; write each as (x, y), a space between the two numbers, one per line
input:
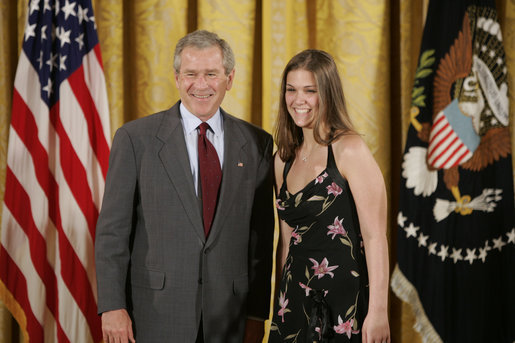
(164, 274)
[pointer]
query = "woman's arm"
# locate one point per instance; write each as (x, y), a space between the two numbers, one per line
(358, 166)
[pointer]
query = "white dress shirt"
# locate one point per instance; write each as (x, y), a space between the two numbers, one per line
(190, 124)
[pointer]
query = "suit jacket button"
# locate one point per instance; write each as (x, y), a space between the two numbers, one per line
(200, 281)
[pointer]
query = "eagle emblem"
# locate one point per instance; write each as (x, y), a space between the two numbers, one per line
(469, 128)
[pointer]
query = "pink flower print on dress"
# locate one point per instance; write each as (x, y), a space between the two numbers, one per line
(321, 178)
(298, 238)
(306, 288)
(334, 189)
(283, 302)
(317, 329)
(278, 204)
(322, 268)
(345, 328)
(336, 228)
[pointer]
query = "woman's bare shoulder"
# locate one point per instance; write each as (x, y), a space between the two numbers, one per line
(349, 145)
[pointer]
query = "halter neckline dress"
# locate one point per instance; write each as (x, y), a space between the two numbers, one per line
(323, 294)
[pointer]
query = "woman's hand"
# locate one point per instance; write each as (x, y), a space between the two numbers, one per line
(376, 328)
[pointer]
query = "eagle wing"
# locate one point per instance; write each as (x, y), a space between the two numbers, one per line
(456, 64)
(495, 144)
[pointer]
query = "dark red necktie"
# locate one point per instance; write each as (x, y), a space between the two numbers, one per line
(210, 176)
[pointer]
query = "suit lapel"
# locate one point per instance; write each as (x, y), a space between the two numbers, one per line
(235, 159)
(174, 156)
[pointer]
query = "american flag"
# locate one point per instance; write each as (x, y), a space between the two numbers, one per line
(456, 218)
(57, 160)
(452, 140)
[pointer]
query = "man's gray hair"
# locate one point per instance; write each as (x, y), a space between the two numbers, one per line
(202, 39)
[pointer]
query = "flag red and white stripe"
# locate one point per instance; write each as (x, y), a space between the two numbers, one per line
(446, 149)
(57, 160)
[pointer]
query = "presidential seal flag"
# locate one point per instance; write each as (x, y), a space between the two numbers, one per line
(456, 227)
(57, 160)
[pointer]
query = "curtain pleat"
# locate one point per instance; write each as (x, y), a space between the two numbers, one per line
(109, 16)
(356, 34)
(234, 21)
(285, 33)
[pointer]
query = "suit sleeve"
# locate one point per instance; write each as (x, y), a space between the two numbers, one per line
(261, 238)
(114, 225)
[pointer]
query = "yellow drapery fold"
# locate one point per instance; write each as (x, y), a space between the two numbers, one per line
(507, 19)
(409, 17)
(156, 28)
(357, 34)
(137, 40)
(110, 35)
(375, 43)
(234, 21)
(285, 33)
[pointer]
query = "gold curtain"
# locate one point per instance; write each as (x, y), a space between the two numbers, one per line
(375, 43)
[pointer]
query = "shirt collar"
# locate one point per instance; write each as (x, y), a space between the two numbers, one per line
(191, 121)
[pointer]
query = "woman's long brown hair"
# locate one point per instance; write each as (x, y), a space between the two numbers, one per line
(333, 117)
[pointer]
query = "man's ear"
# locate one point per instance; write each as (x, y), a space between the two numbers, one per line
(176, 78)
(230, 78)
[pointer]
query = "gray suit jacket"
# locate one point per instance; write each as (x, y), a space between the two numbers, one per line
(152, 257)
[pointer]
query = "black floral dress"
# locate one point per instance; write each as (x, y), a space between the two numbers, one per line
(323, 295)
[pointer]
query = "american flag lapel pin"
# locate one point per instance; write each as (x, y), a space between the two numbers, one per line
(240, 164)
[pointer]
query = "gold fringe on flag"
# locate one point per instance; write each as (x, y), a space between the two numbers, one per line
(407, 293)
(14, 307)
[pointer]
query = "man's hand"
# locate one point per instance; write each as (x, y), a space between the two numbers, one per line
(254, 331)
(117, 327)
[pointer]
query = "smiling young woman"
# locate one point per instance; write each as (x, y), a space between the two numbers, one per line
(332, 257)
